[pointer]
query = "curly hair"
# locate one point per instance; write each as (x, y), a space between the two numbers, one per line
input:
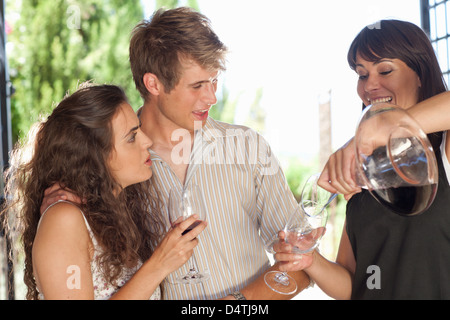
(72, 148)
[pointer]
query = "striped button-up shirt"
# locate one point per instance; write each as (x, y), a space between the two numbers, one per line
(247, 202)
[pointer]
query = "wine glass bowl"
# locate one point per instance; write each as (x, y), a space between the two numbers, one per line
(183, 203)
(315, 198)
(304, 233)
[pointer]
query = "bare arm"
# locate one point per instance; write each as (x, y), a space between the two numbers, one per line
(62, 254)
(173, 251)
(433, 114)
(334, 278)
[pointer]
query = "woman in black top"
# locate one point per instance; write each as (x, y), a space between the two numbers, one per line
(383, 255)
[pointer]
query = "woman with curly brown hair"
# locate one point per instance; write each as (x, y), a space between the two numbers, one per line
(107, 245)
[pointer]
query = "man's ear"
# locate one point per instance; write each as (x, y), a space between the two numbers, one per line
(152, 83)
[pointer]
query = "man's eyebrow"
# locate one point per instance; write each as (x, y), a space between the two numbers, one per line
(204, 81)
(199, 82)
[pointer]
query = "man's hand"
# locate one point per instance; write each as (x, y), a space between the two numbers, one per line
(56, 193)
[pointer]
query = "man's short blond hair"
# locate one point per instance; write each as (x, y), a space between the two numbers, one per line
(160, 44)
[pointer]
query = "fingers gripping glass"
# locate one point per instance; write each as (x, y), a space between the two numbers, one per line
(303, 231)
(183, 203)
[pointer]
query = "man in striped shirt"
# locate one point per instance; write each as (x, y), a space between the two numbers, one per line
(176, 59)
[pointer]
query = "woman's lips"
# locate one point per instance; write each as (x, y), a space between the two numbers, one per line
(380, 100)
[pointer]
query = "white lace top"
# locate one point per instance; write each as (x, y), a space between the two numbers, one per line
(103, 290)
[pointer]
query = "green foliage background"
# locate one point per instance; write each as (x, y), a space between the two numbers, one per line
(57, 44)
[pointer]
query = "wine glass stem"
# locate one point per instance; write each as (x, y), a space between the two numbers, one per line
(282, 278)
(193, 272)
(193, 263)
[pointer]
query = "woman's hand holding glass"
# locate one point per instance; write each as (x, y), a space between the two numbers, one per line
(184, 202)
(289, 261)
(177, 246)
(302, 231)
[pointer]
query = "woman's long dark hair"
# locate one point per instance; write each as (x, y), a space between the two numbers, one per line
(72, 148)
(395, 39)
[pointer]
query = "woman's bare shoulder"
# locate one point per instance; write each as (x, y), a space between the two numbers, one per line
(62, 221)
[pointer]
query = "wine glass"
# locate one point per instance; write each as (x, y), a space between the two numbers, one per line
(313, 193)
(184, 202)
(303, 231)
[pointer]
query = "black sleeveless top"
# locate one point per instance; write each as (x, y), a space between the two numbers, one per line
(399, 257)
